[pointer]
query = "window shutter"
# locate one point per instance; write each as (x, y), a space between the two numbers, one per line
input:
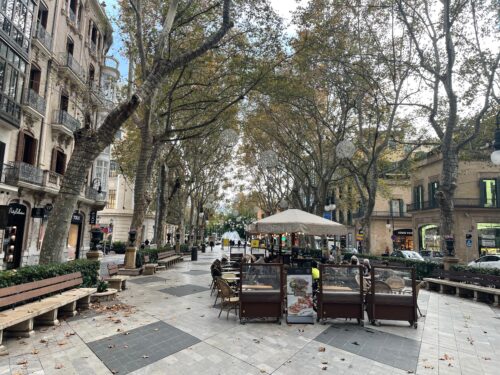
(482, 193)
(497, 192)
(63, 164)
(20, 146)
(33, 150)
(390, 208)
(430, 194)
(53, 161)
(401, 207)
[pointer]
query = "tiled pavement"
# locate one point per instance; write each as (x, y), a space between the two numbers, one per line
(173, 329)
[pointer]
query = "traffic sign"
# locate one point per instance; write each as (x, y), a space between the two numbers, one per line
(468, 242)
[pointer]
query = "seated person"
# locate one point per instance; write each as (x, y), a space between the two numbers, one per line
(315, 275)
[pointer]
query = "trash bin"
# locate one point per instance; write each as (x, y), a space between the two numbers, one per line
(203, 248)
(194, 253)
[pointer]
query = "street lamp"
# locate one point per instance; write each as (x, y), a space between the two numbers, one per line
(495, 155)
(99, 187)
(330, 207)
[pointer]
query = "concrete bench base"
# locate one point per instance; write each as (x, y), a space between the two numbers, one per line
(476, 292)
(20, 321)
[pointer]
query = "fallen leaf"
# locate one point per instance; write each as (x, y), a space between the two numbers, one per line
(324, 362)
(58, 366)
(450, 365)
(342, 359)
(115, 371)
(324, 368)
(256, 341)
(111, 346)
(145, 356)
(321, 349)
(119, 330)
(68, 334)
(61, 343)
(127, 333)
(35, 351)
(429, 366)
(355, 343)
(44, 340)
(22, 362)
(487, 358)
(125, 346)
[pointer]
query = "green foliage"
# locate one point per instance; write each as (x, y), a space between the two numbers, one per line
(153, 253)
(184, 248)
(482, 271)
(102, 286)
(119, 247)
(423, 269)
(88, 268)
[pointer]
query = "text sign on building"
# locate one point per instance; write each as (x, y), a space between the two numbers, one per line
(76, 218)
(93, 217)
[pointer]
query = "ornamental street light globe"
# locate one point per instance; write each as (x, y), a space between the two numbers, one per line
(268, 159)
(345, 149)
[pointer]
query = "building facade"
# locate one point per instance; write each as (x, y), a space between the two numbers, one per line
(476, 202)
(54, 80)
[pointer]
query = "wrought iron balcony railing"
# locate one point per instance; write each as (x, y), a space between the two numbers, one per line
(20, 171)
(64, 118)
(44, 37)
(386, 214)
(457, 203)
(68, 60)
(35, 101)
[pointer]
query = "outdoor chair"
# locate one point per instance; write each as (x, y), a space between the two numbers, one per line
(229, 298)
(397, 284)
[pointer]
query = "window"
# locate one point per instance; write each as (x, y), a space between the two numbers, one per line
(16, 18)
(91, 75)
(26, 148)
(58, 163)
(12, 70)
(35, 76)
(101, 172)
(489, 192)
(43, 15)
(111, 199)
(113, 168)
(433, 188)
(64, 106)
(418, 197)
(396, 207)
(70, 46)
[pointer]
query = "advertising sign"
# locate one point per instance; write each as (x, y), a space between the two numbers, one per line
(93, 217)
(255, 243)
(225, 242)
(299, 296)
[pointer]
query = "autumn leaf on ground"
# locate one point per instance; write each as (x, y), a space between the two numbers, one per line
(321, 349)
(58, 366)
(61, 343)
(324, 368)
(22, 362)
(35, 351)
(446, 357)
(487, 358)
(44, 340)
(68, 334)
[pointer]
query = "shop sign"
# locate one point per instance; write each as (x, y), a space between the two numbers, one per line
(255, 244)
(93, 217)
(76, 218)
(299, 296)
(359, 237)
(17, 210)
(403, 232)
(38, 213)
(488, 243)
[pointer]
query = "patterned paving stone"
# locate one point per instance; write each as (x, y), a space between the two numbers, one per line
(386, 348)
(141, 346)
(147, 280)
(184, 290)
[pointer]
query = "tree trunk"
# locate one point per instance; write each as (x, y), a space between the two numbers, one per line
(446, 192)
(162, 206)
(371, 189)
(143, 175)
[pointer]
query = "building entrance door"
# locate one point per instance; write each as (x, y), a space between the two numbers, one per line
(16, 222)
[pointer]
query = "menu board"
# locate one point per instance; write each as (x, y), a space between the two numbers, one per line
(299, 296)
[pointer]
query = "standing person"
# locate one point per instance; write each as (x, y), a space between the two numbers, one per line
(212, 245)
(239, 243)
(366, 268)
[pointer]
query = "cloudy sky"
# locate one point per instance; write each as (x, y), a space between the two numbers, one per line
(283, 7)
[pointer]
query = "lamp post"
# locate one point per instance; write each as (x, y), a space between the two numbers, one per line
(495, 155)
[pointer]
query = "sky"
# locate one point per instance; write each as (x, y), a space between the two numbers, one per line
(282, 7)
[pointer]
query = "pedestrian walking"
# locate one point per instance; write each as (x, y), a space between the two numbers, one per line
(212, 245)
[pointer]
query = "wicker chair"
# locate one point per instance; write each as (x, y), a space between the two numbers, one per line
(229, 298)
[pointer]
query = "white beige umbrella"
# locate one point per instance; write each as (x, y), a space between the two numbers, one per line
(297, 221)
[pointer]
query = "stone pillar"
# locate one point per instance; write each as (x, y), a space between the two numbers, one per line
(131, 250)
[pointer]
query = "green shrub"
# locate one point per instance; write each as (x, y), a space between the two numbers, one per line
(422, 269)
(184, 248)
(119, 247)
(482, 271)
(153, 253)
(102, 286)
(88, 268)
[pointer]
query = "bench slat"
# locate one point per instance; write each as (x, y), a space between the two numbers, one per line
(15, 289)
(39, 292)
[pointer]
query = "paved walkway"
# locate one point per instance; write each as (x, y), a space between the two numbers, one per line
(166, 325)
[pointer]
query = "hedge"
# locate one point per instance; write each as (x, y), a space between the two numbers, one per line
(153, 253)
(119, 247)
(422, 268)
(483, 271)
(88, 268)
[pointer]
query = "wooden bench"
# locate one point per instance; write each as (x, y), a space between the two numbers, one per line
(169, 258)
(151, 268)
(22, 314)
(115, 281)
(466, 284)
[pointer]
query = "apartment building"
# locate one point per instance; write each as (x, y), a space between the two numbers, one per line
(54, 79)
(476, 202)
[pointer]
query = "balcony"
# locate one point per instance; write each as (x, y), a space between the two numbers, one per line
(64, 123)
(10, 111)
(52, 180)
(22, 172)
(68, 62)
(382, 214)
(34, 101)
(457, 203)
(44, 38)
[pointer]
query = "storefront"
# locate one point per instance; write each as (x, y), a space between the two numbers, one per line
(429, 238)
(75, 236)
(488, 238)
(403, 239)
(13, 235)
